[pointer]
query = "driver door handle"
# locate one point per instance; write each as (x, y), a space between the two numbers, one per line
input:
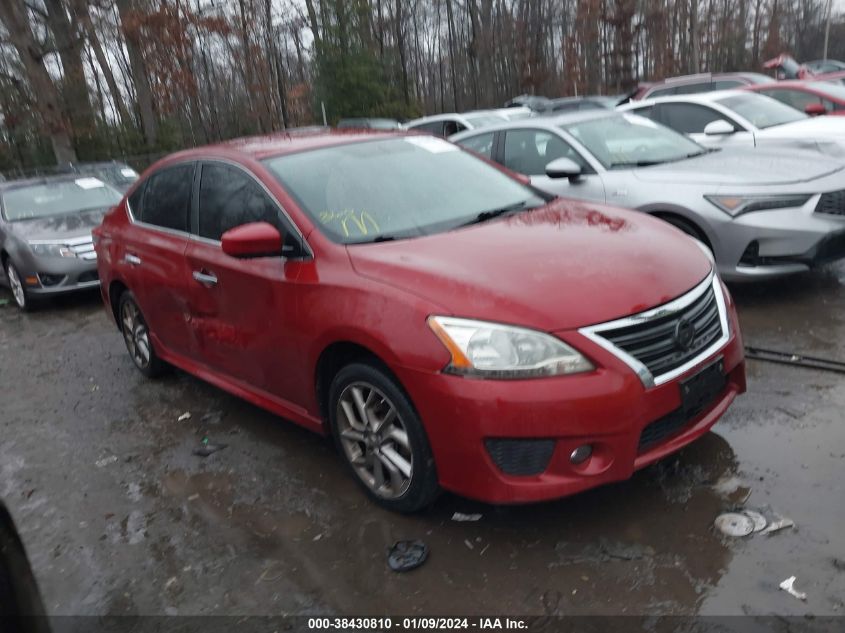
(205, 278)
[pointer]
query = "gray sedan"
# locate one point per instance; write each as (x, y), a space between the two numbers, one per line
(762, 214)
(45, 234)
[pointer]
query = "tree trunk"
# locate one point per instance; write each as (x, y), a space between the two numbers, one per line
(137, 68)
(13, 14)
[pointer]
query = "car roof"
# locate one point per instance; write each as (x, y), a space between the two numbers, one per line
(281, 143)
(547, 121)
(695, 97)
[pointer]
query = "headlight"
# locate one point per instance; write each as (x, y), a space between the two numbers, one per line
(492, 350)
(51, 250)
(737, 205)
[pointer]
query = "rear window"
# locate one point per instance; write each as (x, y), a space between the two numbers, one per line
(167, 196)
(57, 198)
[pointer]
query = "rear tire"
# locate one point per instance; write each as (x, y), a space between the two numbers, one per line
(136, 335)
(381, 438)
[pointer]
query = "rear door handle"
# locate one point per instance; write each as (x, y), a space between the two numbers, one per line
(205, 278)
(131, 259)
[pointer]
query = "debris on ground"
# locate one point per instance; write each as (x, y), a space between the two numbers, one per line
(759, 520)
(100, 463)
(461, 517)
(206, 448)
(184, 416)
(734, 524)
(468, 543)
(407, 555)
(4, 302)
(212, 417)
(788, 586)
(780, 524)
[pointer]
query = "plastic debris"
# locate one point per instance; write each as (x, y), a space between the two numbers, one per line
(184, 416)
(780, 524)
(4, 302)
(407, 555)
(206, 448)
(788, 586)
(100, 463)
(461, 517)
(758, 519)
(734, 524)
(468, 543)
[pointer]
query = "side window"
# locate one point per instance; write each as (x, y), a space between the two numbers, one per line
(647, 112)
(661, 92)
(229, 198)
(481, 144)
(433, 127)
(529, 151)
(726, 84)
(686, 118)
(452, 127)
(135, 200)
(688, 89)
(795, 98)
(167, 197)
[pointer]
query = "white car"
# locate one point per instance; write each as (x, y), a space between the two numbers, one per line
(452, 123)
(729, 118)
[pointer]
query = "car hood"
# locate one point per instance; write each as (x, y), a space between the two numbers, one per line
(58, 226)
(819, 126)
(562, 266)
(744, 167)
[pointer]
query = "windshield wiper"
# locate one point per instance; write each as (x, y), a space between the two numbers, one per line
(637, 163)
(486, 216)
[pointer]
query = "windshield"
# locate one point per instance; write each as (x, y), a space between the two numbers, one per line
(836, 91)
(632, 141)
(57, 198)
(394, 188)
(761, 111)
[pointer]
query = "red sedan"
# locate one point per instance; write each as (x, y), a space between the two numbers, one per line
(811, 97)
(448, 325)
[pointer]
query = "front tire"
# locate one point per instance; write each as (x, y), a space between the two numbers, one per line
(381, 438)
(16, 285)
(136, 335)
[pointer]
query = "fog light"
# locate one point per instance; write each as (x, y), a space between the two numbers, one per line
(581, 454)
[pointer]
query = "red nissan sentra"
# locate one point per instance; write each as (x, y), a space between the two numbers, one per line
(447, 324)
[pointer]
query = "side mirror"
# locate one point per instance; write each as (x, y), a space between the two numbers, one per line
(255, 239)
(563, 168)
(719, 128)
(815, 109)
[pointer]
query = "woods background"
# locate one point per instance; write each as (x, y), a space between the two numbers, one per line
(131, 79)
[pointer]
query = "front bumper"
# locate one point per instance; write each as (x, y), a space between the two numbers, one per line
(608, 408)
(767, 244)
(57, 276)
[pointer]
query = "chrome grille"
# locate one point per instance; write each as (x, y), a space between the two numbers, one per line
(662, 343)
(832, 203)
(84, 250)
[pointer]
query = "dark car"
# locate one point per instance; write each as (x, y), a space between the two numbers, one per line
(21, 607)
(820, 66)
(374, 286)
(367, 123)
(45, 234)
(575, 104)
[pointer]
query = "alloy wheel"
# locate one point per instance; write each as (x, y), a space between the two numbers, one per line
(136, 334)
(375, 440)
(16, 285)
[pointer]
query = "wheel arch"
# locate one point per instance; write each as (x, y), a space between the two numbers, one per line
(115, 290)
(667, 212)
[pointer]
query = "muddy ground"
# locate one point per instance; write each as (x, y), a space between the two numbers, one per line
(121, 518)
